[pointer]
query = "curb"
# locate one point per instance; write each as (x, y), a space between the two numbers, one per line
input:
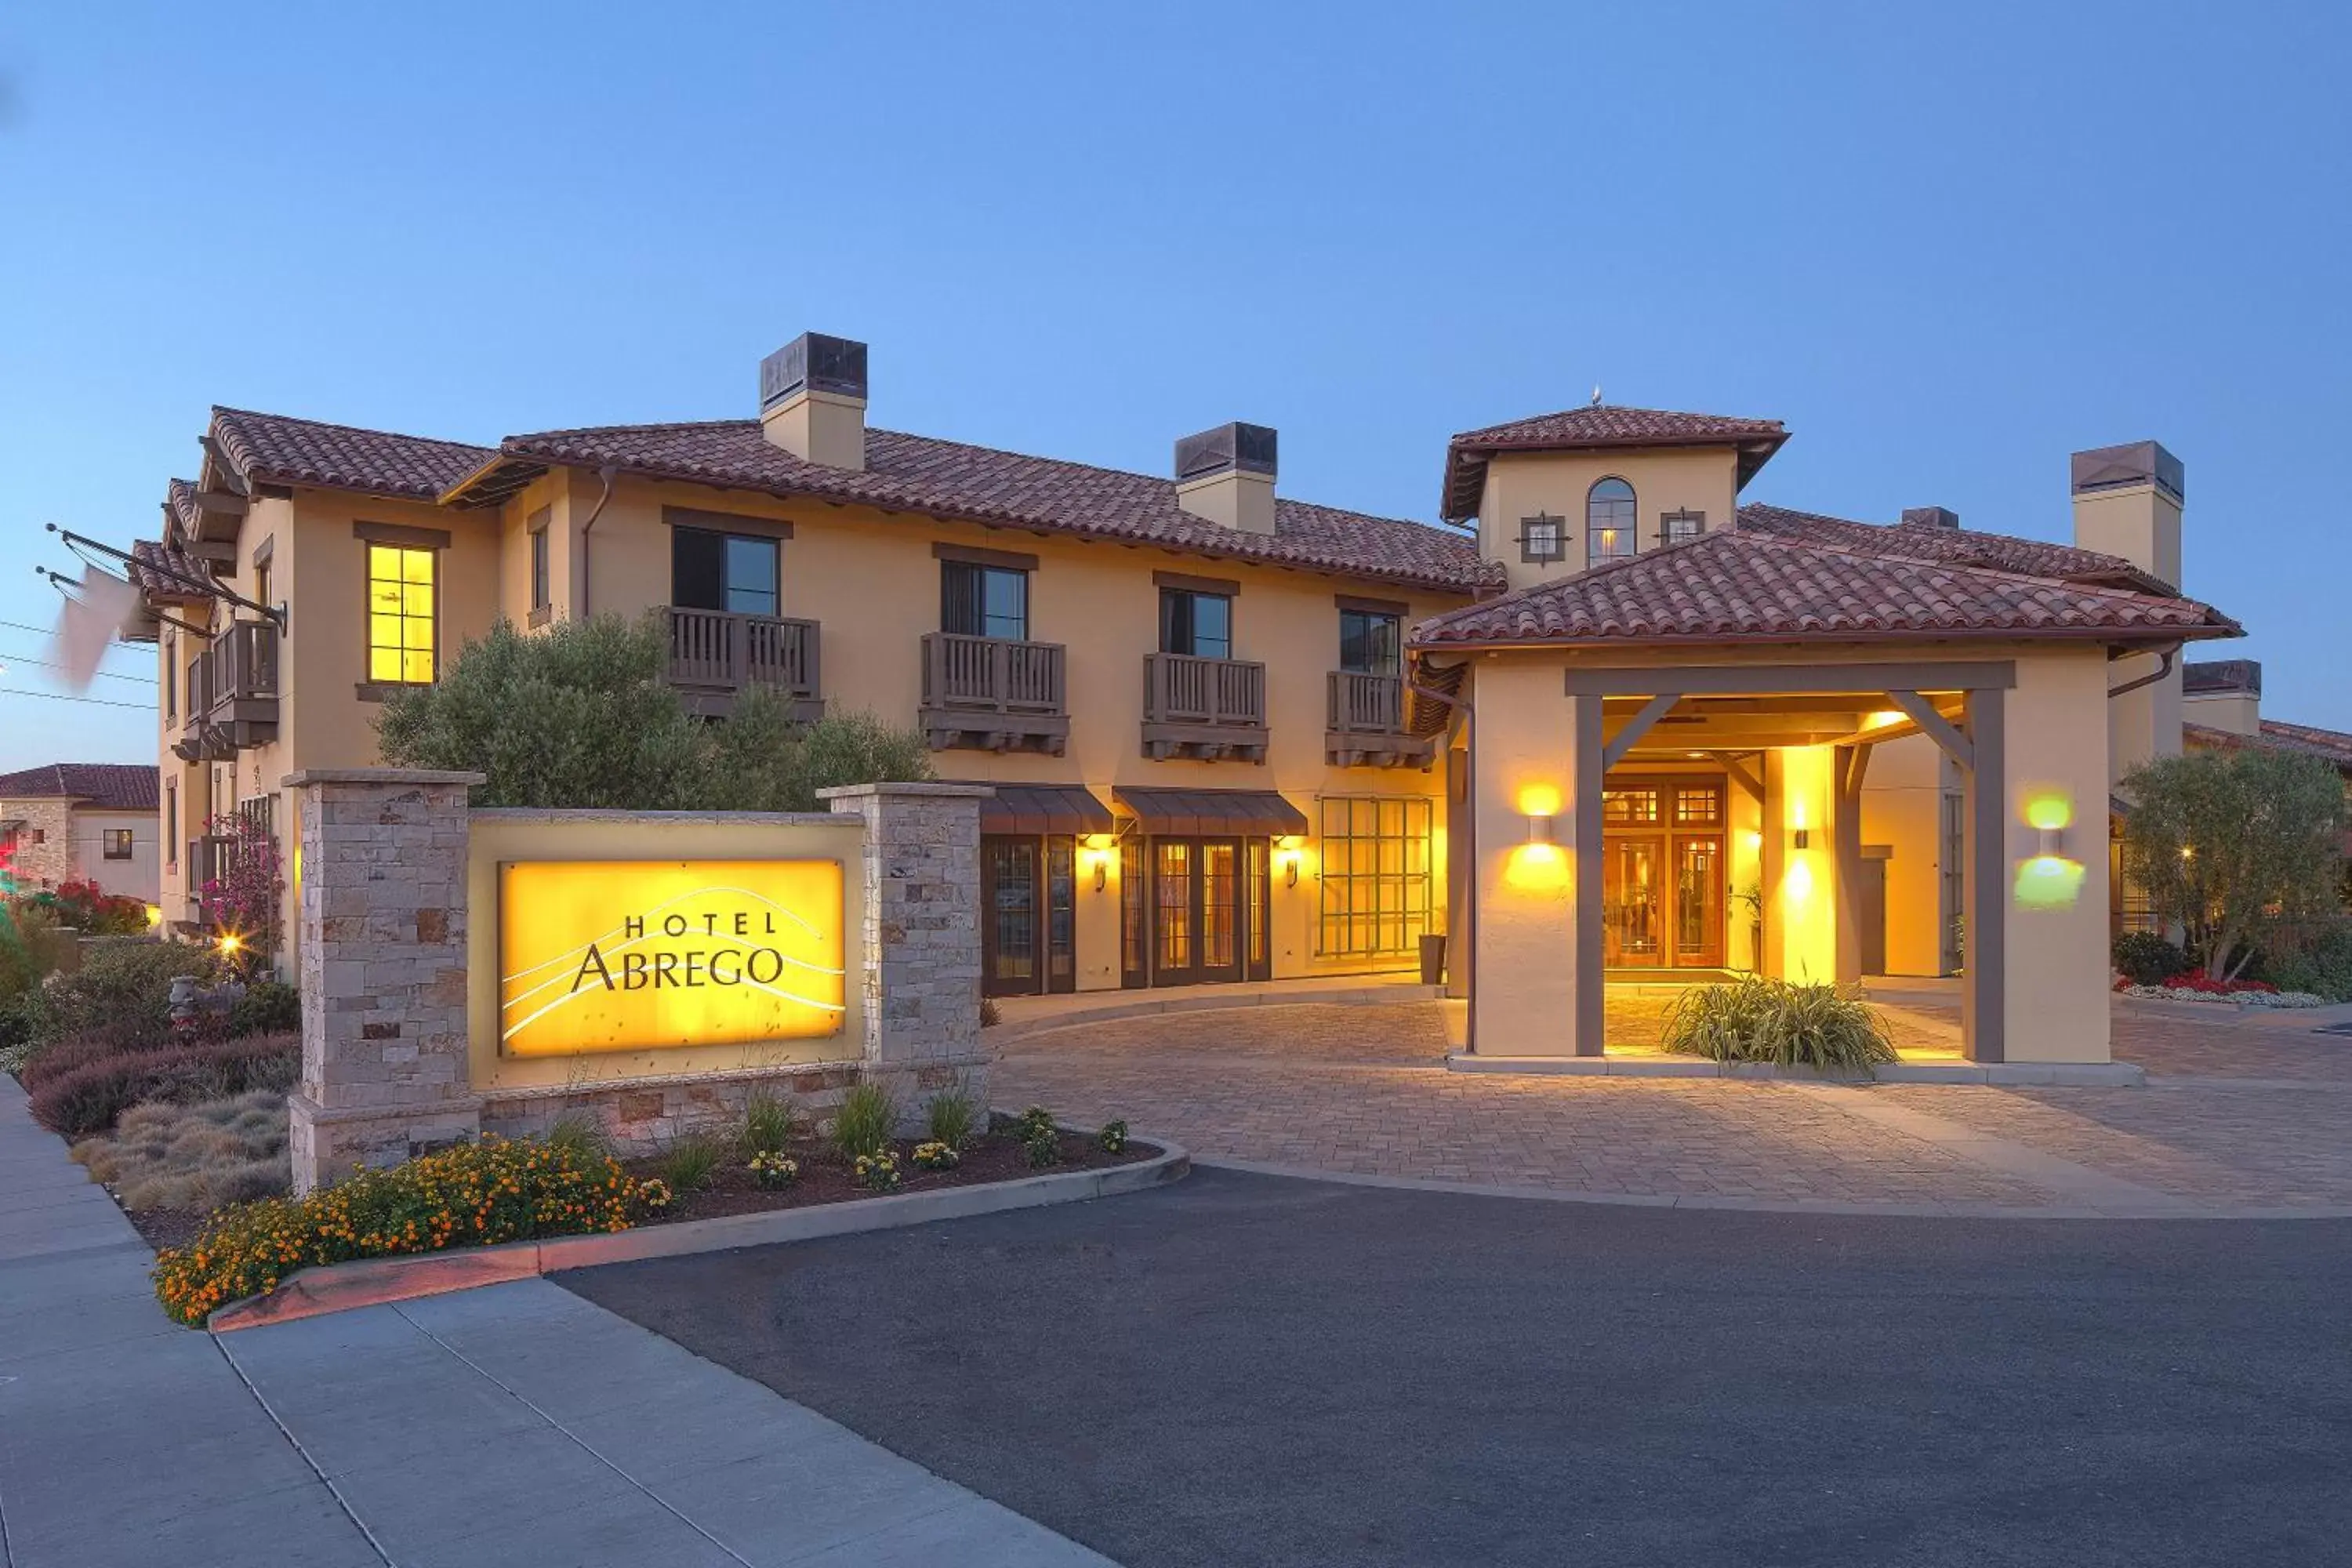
(370, 1281)
(1077, 1018)
(2069, 1074)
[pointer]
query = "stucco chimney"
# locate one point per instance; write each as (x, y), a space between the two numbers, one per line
(2224, 694)
(1226, 475)
(1931, 516)
(813, 400)
(2127, 502)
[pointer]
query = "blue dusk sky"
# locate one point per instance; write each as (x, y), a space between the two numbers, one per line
(1947, 245)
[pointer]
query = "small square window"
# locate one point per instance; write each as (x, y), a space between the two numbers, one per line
(1543, 537)
(116, 843)
(1676, 526)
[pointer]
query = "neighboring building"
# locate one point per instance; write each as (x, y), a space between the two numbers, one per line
(82, 822)
(1213, 758)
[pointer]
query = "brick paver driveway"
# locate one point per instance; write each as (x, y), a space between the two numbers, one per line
(2239, 1116)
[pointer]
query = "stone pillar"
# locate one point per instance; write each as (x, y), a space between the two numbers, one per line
(918, 948)
(381, 884)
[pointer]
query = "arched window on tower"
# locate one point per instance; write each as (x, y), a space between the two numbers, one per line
(1607, 521)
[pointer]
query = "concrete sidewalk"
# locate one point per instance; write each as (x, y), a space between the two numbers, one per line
(518, 1424)
(124, 1439)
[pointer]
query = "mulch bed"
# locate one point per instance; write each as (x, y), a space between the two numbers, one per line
(161, 1228)
(826, 1178)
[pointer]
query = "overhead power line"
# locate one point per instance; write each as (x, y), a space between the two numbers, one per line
(61, 697)
(9, 658)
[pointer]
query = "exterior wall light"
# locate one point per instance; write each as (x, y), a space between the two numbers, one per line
(1538, 828)
(2048, 881)
(1096, 847)
(1286, 849)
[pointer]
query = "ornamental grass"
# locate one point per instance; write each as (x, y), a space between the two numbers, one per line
(471, 1194)
(1759, 1020)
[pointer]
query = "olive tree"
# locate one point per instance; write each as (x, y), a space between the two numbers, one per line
(583, 716)
(2222, 841)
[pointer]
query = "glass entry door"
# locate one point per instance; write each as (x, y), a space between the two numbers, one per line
(1028, 897)
(1633, 898)
(1207, 900)
(1662, 887)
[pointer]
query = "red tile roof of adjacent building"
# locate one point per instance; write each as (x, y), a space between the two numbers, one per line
(1600, 425)
(274, 448)
(2307, 740)
(147, 554)
(1956, 547)
(1737, 584)
(107, 787)
(980, 484)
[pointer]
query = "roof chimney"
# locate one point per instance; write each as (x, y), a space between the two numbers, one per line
(813, 400)
(1226, 475)
(2224, 694)
(2127, 503)
(1931, 516)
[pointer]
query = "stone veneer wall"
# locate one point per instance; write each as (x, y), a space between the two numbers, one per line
(382, 970)
(383, 876)
(49, 862)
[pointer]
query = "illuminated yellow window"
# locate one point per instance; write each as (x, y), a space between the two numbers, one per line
(400, 615)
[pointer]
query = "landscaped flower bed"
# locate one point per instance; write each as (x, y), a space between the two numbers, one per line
(824, 1177)
(2196, 986)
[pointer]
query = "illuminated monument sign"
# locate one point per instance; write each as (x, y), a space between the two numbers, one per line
(610, 955)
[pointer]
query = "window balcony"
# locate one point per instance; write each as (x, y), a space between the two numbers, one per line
(995, 694)
(1208, 709)
(715, 655)
(230, 701)
(1364, 725)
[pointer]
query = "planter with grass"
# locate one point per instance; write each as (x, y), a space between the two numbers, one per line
(1815, 1027)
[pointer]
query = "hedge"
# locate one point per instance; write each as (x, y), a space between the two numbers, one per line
(87, 1099)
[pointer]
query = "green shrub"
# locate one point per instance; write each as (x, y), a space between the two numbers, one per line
(867, 1122)
(877, 1172)
(2145, 958)
(950, 1117)
(2316, 960)
(90, 1098)
(267, 1007)
(1759, 1020)
(125, 985)
(1031, 1122)
(1043, 1148)
(32, 948)
(691, 1162)
(200, 1156)
(1113, 1138)
(770, 1125)
(469, 1195)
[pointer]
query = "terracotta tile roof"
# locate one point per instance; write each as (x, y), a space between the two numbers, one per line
(980, 484)
(273, 449)
(1955, 547)
(108, 786)
(1735, 584)
(1600, 425)
(2307, 740)
(147, 553)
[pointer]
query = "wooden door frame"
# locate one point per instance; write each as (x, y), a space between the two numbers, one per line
(1663, 832)
(1241, 971)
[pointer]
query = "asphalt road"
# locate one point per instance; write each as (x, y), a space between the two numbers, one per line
(1245, 1370)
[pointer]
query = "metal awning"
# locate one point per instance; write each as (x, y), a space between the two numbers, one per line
(1211, 813)
(1032, 809)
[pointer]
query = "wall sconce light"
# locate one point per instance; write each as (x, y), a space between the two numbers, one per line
(2048, 881)
(1800, 836)
(1802, 840)
(1097, 852)
(1538, 828)
(1286, 849)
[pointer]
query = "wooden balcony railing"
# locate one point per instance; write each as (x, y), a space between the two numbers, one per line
(230, 701)
(1208, 708)
(715, 655)
(1364, 724)
(997, 694)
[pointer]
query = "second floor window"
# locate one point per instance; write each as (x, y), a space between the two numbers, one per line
(402, 614)
(1543, 537)
(171, 679)
(114, 843)
(1198, 624)
(977, 601)
(538, 582)
(738, 572)
(1369, 643)
(1607, 521)
(1676, 526)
